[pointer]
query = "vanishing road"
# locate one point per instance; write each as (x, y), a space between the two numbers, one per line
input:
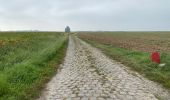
(87, 74)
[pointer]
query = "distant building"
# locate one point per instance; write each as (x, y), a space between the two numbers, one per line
(67, 29)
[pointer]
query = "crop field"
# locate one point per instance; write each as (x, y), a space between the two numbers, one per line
(134, 50)
(27, 61)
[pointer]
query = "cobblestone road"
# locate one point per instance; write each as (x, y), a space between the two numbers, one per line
(87, 74)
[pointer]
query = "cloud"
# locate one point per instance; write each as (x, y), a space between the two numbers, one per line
(85, 14)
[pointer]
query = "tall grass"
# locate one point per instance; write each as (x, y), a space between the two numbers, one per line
(27, 64)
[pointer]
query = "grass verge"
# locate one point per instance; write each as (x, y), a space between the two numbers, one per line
(26, 66)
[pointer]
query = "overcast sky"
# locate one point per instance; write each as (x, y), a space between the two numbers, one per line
(95, 15)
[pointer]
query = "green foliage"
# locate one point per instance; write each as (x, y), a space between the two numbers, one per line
(26, 65)
(4, 86)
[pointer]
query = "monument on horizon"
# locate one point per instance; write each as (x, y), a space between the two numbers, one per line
(67, 29)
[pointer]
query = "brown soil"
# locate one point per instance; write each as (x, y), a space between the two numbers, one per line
(143, 43)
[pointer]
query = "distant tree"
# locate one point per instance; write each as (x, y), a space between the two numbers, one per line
(67, 29)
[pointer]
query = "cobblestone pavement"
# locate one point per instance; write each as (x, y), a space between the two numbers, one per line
(87, 74)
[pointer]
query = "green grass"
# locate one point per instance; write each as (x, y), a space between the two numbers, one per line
(138, 61)
(28, 62)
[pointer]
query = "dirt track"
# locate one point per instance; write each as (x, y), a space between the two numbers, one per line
(87, 74)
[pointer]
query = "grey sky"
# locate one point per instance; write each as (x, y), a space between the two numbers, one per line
(111, 15)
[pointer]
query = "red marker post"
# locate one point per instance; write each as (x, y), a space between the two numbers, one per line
(156, 57)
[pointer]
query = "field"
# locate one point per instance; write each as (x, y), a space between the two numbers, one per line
(27, 61)
(134, 49)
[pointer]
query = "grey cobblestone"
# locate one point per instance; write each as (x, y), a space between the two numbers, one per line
(87, 74)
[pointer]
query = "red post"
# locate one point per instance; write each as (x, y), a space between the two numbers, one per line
(155, 57)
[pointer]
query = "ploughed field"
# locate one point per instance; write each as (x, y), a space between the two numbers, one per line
(138, 41)
(27, 61)
(134, 49)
